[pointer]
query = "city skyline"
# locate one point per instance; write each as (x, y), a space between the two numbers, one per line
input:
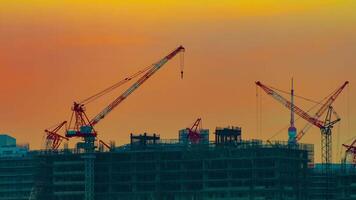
(57, 52)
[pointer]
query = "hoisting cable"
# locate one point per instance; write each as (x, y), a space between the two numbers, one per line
(348, 111)
(301, 97)
(309, 110)
(116, 85)
(181, 64)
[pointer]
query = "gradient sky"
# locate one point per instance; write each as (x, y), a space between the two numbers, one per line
(55, 52)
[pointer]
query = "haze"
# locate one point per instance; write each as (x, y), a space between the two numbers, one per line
(55, 52)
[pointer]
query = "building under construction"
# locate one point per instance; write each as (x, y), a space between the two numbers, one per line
(158, 169)
(152, 168)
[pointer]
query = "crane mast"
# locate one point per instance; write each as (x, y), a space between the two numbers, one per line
(292, 131)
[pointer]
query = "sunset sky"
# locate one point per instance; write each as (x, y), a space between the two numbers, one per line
(53, 52)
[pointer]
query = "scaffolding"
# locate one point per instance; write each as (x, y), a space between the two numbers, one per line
(227, 135)
(168, 169)
(172, 170)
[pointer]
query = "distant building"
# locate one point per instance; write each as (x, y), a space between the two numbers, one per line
(9, 148)
(6, 140)
(16, 169)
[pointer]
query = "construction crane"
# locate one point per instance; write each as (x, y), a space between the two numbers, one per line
(194, 132)
(53, 139)
(325, 126)
(83, 127)
(351, 149)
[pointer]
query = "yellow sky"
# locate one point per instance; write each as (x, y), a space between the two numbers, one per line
(55, 52)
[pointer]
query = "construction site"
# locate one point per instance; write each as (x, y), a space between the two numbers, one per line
(196, 165)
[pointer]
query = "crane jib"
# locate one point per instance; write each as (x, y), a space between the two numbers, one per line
(137, 84)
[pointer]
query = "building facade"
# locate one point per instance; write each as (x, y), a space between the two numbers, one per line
(250, 170)
(158, 169)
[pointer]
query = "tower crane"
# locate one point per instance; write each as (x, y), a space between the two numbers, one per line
(81, 126)
(324, 126)
(194, 132)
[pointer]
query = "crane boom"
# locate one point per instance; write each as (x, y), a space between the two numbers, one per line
(350, 147)
(194, 132)
(322, 109)
(53, 139)
(330, 100)
(81, 126)
(137, 84)
(196, 125)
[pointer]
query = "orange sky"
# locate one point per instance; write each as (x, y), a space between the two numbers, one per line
(55, 52)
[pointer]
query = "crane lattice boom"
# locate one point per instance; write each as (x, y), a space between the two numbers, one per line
(323, 109)
(137, 84)
(53, 139)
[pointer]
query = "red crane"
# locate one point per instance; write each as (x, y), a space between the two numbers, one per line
(81, 126)
(325, 126)
(351, 149)
(53, 139)
(194, 132)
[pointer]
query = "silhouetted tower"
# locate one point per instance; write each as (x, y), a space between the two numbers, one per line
(292, 131)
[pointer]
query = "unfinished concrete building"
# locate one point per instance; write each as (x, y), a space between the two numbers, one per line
(172, 170)
(152, 168)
